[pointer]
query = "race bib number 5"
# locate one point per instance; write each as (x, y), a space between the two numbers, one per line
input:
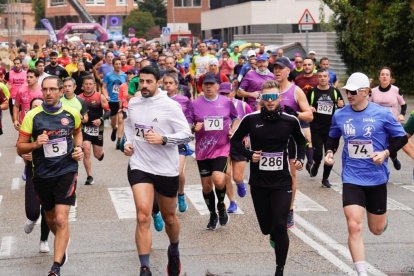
(360, 149)
(140, 131)
(56, 147)
(325, 108)
(271, 161)
(213, 123)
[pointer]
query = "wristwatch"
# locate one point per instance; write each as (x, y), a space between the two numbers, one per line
(164, 140)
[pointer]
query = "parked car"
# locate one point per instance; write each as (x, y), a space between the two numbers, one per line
(4, 44)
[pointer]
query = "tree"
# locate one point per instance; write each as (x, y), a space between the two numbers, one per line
(376, 33)
(3, 4)
(141, 21)
(38, 7)
(158, 10)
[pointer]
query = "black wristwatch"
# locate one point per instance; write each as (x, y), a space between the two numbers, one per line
(164, 140)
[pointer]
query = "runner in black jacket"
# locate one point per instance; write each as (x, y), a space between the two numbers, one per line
(270, 179)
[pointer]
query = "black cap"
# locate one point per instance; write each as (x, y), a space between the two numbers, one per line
(209, 78)
(130, 71)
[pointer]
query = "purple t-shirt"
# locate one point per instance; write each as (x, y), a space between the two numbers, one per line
(212, 140)
(242, 108)
(184, 102)
(252, 82)
(289, 99)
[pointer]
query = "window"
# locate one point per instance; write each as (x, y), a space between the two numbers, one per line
(121, 2)
(95, 2)
(187, 3)
(57, 2)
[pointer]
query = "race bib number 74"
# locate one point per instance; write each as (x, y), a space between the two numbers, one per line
(360, 149)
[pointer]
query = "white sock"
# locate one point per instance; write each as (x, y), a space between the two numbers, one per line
(361, 268)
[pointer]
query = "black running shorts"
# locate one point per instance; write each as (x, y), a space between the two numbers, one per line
(373, 198)
(206, 167)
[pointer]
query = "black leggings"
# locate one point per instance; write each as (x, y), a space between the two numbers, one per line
(272, 208)
(319, 144)
(32, 204)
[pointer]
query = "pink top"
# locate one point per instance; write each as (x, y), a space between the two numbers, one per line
(123, 93)
(391, 99)
(16, 80)
(24, 96)
(226, 67)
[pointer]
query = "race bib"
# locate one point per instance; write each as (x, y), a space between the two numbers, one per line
(271, 161)
(115, 89)
(56, 147)
(213, 123)
(325, 107)
(91, 130)
(360, 149)
(140, 130)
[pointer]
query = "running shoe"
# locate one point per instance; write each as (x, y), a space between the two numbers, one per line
(24, 175)
(314, 169)
(232, 208)
(118, 145)
(145, 271)
(272, 241)
(89, 180)
(279, 270)
(213, 222)
(53, 273)
(223, 216)
(158, 222)
(325, 183)
(174, 264)
(290, 220)
(113, 134)
(396, 163)
(44, 247)
(182, 205)
(241, 190)
(308, 167)
(28, 226)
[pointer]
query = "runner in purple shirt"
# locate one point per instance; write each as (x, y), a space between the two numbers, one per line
(238, 162)
(251, 85)
(213, 117)
(171, 84)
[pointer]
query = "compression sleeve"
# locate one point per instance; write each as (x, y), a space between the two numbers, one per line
(332, 144)
(403, 109)
(396, 143)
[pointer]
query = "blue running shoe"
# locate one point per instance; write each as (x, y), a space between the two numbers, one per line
(232, 208)
(158, 222)
(241, 190)
(182, 205)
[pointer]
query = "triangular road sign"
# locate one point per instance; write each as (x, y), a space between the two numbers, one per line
(306, 18)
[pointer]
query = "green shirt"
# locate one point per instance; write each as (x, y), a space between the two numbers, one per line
(409, 125)
(133, 86)
(76, 103)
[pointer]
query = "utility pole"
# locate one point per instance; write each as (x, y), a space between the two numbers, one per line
(14, 19)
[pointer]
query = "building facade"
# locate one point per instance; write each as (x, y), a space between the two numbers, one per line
(60, 12)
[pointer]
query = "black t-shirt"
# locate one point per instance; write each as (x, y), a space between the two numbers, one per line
(56, 71)
(325, 103)
(270, 137)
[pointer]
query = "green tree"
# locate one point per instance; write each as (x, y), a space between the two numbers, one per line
(38, 7)
(376, 33)
(3, 4)
(158, 10)
(141, 21)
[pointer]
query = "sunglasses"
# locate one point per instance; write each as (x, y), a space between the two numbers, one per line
(273, 97)
(354, 92)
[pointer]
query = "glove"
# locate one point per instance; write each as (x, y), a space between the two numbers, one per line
(290, 111)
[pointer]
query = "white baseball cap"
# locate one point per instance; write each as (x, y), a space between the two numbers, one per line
(251, 53)
(312, 52)
(356, 81)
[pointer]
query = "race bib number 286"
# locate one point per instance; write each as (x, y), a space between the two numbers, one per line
(271, 161)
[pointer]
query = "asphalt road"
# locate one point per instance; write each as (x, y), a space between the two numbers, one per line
(103, 225)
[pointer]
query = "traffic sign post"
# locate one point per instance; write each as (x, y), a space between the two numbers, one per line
(306, 23)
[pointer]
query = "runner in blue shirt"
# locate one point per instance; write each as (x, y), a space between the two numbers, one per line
(370, 134)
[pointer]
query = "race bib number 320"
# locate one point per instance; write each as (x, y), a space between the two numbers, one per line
(360, 149)
(271, 161)
(56, 147)
(213, 123)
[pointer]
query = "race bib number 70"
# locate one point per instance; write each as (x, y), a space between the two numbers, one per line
(213, 123)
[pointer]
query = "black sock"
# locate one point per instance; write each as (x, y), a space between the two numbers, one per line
(144, 260)
(210, 200)
(221, 194)
(173, 248)
(309, 154)
(326, 171)
(102, 157)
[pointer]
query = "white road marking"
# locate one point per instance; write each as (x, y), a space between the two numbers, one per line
(5, 248)
(328, 241)
(409, 187)
(18, 160)
(73, 213)
(321, 250)
(195, 194)
(0, 153)
(391, 203)
(304, 203)
(1, 198)
(15, 183)
(123, 202)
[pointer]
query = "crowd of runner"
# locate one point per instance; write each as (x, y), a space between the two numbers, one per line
(259, 107)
